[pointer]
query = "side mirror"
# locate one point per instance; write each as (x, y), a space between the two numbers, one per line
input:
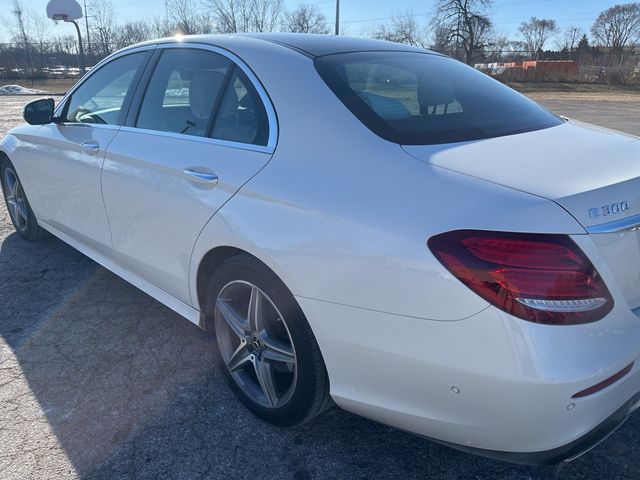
(39, 112)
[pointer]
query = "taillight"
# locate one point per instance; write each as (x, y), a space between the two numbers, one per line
(542, 278)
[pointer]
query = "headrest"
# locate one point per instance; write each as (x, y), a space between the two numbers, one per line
(203, 90)
(387, 108)
(433, 91)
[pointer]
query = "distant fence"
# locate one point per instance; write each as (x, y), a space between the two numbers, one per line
(566, 71)
(591, 65)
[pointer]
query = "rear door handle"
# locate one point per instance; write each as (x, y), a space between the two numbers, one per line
(208, 178)
(90, 147)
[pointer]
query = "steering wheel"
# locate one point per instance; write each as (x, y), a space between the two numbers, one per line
(89, 114)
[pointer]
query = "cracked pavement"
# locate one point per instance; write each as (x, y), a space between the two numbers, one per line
(99, 381)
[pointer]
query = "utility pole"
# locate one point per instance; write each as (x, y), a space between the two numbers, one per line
(337, 17)
(86, 26)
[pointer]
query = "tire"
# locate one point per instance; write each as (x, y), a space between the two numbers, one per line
(22, 217)
(301, 389)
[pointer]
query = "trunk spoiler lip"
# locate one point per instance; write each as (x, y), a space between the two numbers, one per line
(628, 224)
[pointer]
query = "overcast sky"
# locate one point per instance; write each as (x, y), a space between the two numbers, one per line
(361, 16)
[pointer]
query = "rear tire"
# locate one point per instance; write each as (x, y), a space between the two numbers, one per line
(279, 343)
(22, 217)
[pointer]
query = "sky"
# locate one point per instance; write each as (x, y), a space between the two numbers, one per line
(361, 16)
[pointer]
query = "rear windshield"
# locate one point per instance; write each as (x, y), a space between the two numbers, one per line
(423, 99)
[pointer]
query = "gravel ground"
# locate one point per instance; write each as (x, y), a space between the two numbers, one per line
(98, 380)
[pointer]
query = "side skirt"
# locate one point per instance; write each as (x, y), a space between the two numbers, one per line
(149, 288)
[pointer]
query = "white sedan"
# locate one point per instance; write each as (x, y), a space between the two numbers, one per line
(357, 222)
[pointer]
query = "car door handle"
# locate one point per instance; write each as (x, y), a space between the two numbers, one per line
(208, 178)
(90, 147)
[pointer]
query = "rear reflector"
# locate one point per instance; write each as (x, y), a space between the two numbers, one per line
(604, 384)
(542, 278)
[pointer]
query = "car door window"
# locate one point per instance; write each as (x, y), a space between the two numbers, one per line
(100, 98)
(242, 116)
(184, 92)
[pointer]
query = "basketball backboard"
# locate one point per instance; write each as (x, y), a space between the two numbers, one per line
(65, 10)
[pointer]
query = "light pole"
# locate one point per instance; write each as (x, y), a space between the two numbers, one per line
(337, 17)
(86, 26)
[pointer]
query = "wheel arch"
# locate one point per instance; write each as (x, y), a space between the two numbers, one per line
(212, 260)
(209, 263)
(3, 156)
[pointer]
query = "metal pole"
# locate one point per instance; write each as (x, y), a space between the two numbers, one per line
(337, 17)
(81, 51)
(86, 26)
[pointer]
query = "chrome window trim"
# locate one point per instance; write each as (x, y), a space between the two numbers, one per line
(628, 224)
(195, 138)
(90, 125)
(96, 67)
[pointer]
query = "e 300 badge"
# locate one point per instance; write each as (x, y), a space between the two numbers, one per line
(606, 210)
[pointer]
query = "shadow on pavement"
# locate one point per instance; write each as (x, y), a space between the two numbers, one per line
(128, 389)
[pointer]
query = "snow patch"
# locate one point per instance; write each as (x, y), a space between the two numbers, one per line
(19, 90)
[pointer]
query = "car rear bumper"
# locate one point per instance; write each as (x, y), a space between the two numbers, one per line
(565, 453)
(490, 384)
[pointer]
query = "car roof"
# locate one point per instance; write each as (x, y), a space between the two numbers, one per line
(310, 45)
(316, 45)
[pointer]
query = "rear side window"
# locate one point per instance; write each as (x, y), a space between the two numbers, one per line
(423, 99)
(242, 117)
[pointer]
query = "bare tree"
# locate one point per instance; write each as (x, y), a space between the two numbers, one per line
(65, 44)
(133, 32)
(104, 27)
(233, 16)
(463, 26)
(536, 32)
(306, 18)
(187, 18)
(401, 28)
(41, 28)
(618, 26)
(570, 38)
(20, 33)
(266, 14)
(160, 26)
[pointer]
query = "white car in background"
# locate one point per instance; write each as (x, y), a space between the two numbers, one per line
(357, 221)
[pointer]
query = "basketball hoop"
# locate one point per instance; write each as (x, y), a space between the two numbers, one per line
(68, 11)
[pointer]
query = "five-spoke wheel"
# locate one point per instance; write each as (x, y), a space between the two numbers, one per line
(264, 344)
(255, 343)
(17, 203)
(16, 200)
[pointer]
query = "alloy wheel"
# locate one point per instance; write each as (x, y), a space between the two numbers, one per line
(255, 344)
(16, 200)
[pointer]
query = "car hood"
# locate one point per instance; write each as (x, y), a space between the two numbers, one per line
(589, 171)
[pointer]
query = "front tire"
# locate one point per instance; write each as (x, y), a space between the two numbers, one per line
(263, 343)
(22, 217)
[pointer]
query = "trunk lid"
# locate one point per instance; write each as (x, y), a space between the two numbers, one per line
(592, 172)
